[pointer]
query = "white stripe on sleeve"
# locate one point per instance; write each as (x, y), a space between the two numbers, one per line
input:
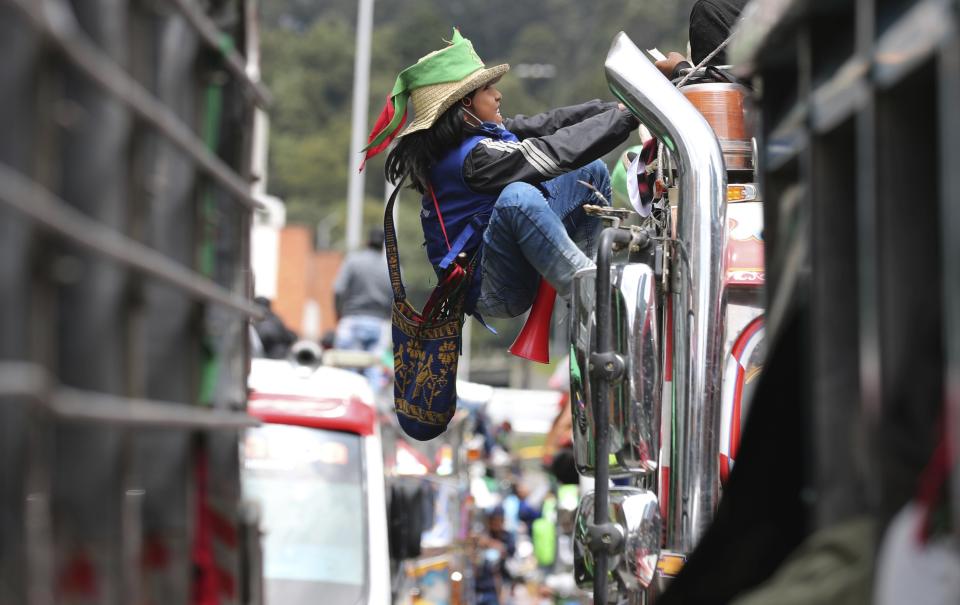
(511, 147)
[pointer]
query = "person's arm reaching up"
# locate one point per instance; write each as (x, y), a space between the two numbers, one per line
(549, 122)
(493, 164)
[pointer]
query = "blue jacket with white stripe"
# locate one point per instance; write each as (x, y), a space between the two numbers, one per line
(468, 180)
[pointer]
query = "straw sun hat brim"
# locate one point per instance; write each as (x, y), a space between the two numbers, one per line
(429, 102)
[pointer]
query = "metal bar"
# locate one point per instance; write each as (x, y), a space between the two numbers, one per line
(234, 61)
(38, 204)
(839, 97)
(868, 274)
(787, 138)
(56, 21)
(757, 30)
(24, 379)
(910, 40)
(604, 399)
(949, 89)
(74, 404)
(787, 286)
(358, 122)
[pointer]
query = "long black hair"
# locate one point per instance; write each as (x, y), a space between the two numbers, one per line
(416, 153)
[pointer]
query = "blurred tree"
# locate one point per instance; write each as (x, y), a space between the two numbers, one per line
(311, 74)
(308, 63)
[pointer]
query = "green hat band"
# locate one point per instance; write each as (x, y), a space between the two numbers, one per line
(451, 64)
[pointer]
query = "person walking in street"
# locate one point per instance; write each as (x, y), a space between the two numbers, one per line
(494, 546)
(362, 299)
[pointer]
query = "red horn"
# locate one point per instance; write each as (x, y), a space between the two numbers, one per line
(533, 341)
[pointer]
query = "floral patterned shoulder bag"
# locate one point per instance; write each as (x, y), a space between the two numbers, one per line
(426, 346)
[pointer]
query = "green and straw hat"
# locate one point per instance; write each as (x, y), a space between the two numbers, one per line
(433, 84)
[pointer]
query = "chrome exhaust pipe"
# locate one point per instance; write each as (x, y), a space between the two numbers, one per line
(696, 284)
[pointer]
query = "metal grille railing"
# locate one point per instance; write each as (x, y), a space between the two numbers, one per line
(125, 208)
(48, 212)
(860, 155)
(53, 19)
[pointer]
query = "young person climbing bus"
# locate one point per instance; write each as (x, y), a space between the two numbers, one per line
(500, 192)
(501, 207)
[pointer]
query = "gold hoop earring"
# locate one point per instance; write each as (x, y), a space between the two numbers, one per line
(466, 102)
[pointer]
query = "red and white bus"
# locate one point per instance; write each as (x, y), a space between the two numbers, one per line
(315, 466)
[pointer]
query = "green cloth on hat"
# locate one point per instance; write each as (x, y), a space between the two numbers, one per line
(451, 64)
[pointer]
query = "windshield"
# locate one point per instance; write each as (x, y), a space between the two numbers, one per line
(309, 484)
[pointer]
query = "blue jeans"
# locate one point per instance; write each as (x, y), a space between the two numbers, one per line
(529, 236)
(488, 599)
(364, 333)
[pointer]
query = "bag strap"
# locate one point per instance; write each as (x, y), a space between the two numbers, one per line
(436, 206)
(390, 242)
(393, 254)
(465, 237)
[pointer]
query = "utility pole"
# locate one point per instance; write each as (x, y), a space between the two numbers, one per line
(358, 132)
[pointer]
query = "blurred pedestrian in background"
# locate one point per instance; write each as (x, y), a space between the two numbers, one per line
(558, 445)
(275, 336)
(517, 508)
(503, 435)
(362, 299)
(494, 547)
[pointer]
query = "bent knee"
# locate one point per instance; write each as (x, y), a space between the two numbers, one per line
(598, 168)
(519, 194)
(599, 175)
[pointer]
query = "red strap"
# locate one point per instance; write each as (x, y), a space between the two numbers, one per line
(450, 281)
(932, 483)
(439, 216)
